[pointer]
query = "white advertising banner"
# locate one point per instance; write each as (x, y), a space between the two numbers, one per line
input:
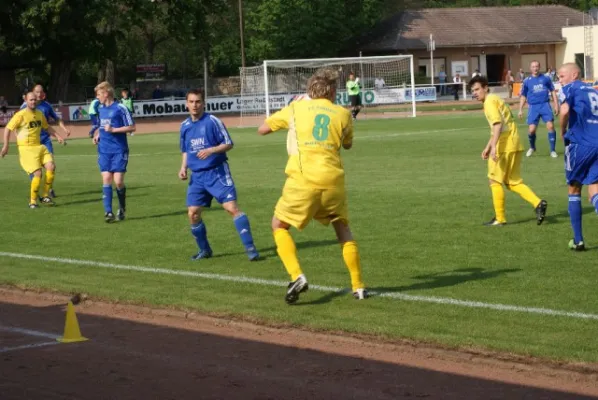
(233, 104)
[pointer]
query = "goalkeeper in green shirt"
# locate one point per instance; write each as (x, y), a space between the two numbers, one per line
(353, 90)
(127, 101)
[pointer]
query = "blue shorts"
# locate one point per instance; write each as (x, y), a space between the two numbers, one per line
(216, 183)
(581, 164)
(113, 162)
(48, 143)
(537, 111)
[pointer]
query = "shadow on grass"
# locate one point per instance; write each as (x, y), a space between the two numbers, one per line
(554, 218)
(87, 201)
(328, 297)
(99, 191)
(306, 245)
(430, 281)
(446, 279)
(270, 252)
(170, 214)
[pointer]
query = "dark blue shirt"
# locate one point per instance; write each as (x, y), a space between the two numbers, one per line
(537, 89)
(48, 111)
(208, 131)
(582, 99)
(117, 116)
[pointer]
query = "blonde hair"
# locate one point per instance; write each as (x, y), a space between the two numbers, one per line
(322, 84)
(105, 86)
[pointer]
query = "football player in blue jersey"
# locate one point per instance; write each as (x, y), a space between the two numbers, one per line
(204, 142)
(579, 129)
(537, 90)
(113, 149)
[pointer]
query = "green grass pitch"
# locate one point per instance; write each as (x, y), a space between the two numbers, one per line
(418, 196)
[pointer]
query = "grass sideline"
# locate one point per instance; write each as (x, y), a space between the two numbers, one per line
(417, 197)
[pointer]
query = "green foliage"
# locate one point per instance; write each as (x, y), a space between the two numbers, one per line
(79, 36)
(304, 29)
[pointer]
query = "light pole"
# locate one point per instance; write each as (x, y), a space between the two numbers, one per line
(241, 33)
(432, 47)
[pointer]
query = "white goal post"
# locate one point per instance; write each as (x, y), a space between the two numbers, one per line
(387, 85)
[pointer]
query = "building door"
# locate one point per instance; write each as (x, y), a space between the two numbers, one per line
(496, 67)
(579, 60)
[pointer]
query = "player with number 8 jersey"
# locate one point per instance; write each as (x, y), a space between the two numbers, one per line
(315, 185)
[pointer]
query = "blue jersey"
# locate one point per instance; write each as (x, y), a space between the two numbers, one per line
(208, 131)
(117, 116)
(537, 89)
(48, 111)
(582, 99)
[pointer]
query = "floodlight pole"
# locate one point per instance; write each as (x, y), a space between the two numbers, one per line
(432, 46)
(241, 33)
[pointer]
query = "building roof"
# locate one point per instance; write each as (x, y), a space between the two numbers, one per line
(471, 27)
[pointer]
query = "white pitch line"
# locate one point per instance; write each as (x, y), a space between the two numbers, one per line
(267, 282)
(27, 346)
(28, 332)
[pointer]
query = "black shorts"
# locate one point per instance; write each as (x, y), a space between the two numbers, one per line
(355, 100)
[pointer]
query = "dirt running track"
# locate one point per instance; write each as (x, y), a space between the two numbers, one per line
(137, 353)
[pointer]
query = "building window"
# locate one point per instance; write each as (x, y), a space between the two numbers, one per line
(424, 66)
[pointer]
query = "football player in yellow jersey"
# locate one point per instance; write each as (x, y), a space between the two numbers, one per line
(315, 185)
(503, 152)
(28, 124)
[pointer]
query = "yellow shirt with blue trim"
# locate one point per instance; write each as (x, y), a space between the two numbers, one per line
(28, 125)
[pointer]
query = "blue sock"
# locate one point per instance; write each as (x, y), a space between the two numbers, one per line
(594, 201)
(552, 140)
(107, 198)
(575, 216)
(532, 141)
(200, 233)
(122, 197)
(244, 230)
(30, 177)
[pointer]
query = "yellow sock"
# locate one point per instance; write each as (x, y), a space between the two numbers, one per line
(35, 182)
(351, 257)
(287, 251)
(526, 193)
(498, 200)
(48, 183)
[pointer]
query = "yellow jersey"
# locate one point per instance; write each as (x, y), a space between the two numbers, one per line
(497, 111)
(28, 124)
(317, 128)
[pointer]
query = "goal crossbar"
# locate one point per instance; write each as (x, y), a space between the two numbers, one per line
(387, 84)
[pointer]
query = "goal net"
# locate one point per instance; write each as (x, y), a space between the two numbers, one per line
(386, 82)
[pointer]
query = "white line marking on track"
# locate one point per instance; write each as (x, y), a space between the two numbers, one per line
(27, 346)
(28, 332)
(267, 282)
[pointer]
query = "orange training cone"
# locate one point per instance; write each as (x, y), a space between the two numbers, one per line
(72, 333)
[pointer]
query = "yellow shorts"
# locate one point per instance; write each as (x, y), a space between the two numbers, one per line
(507, 169)
(33, 158)
(299, 204)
